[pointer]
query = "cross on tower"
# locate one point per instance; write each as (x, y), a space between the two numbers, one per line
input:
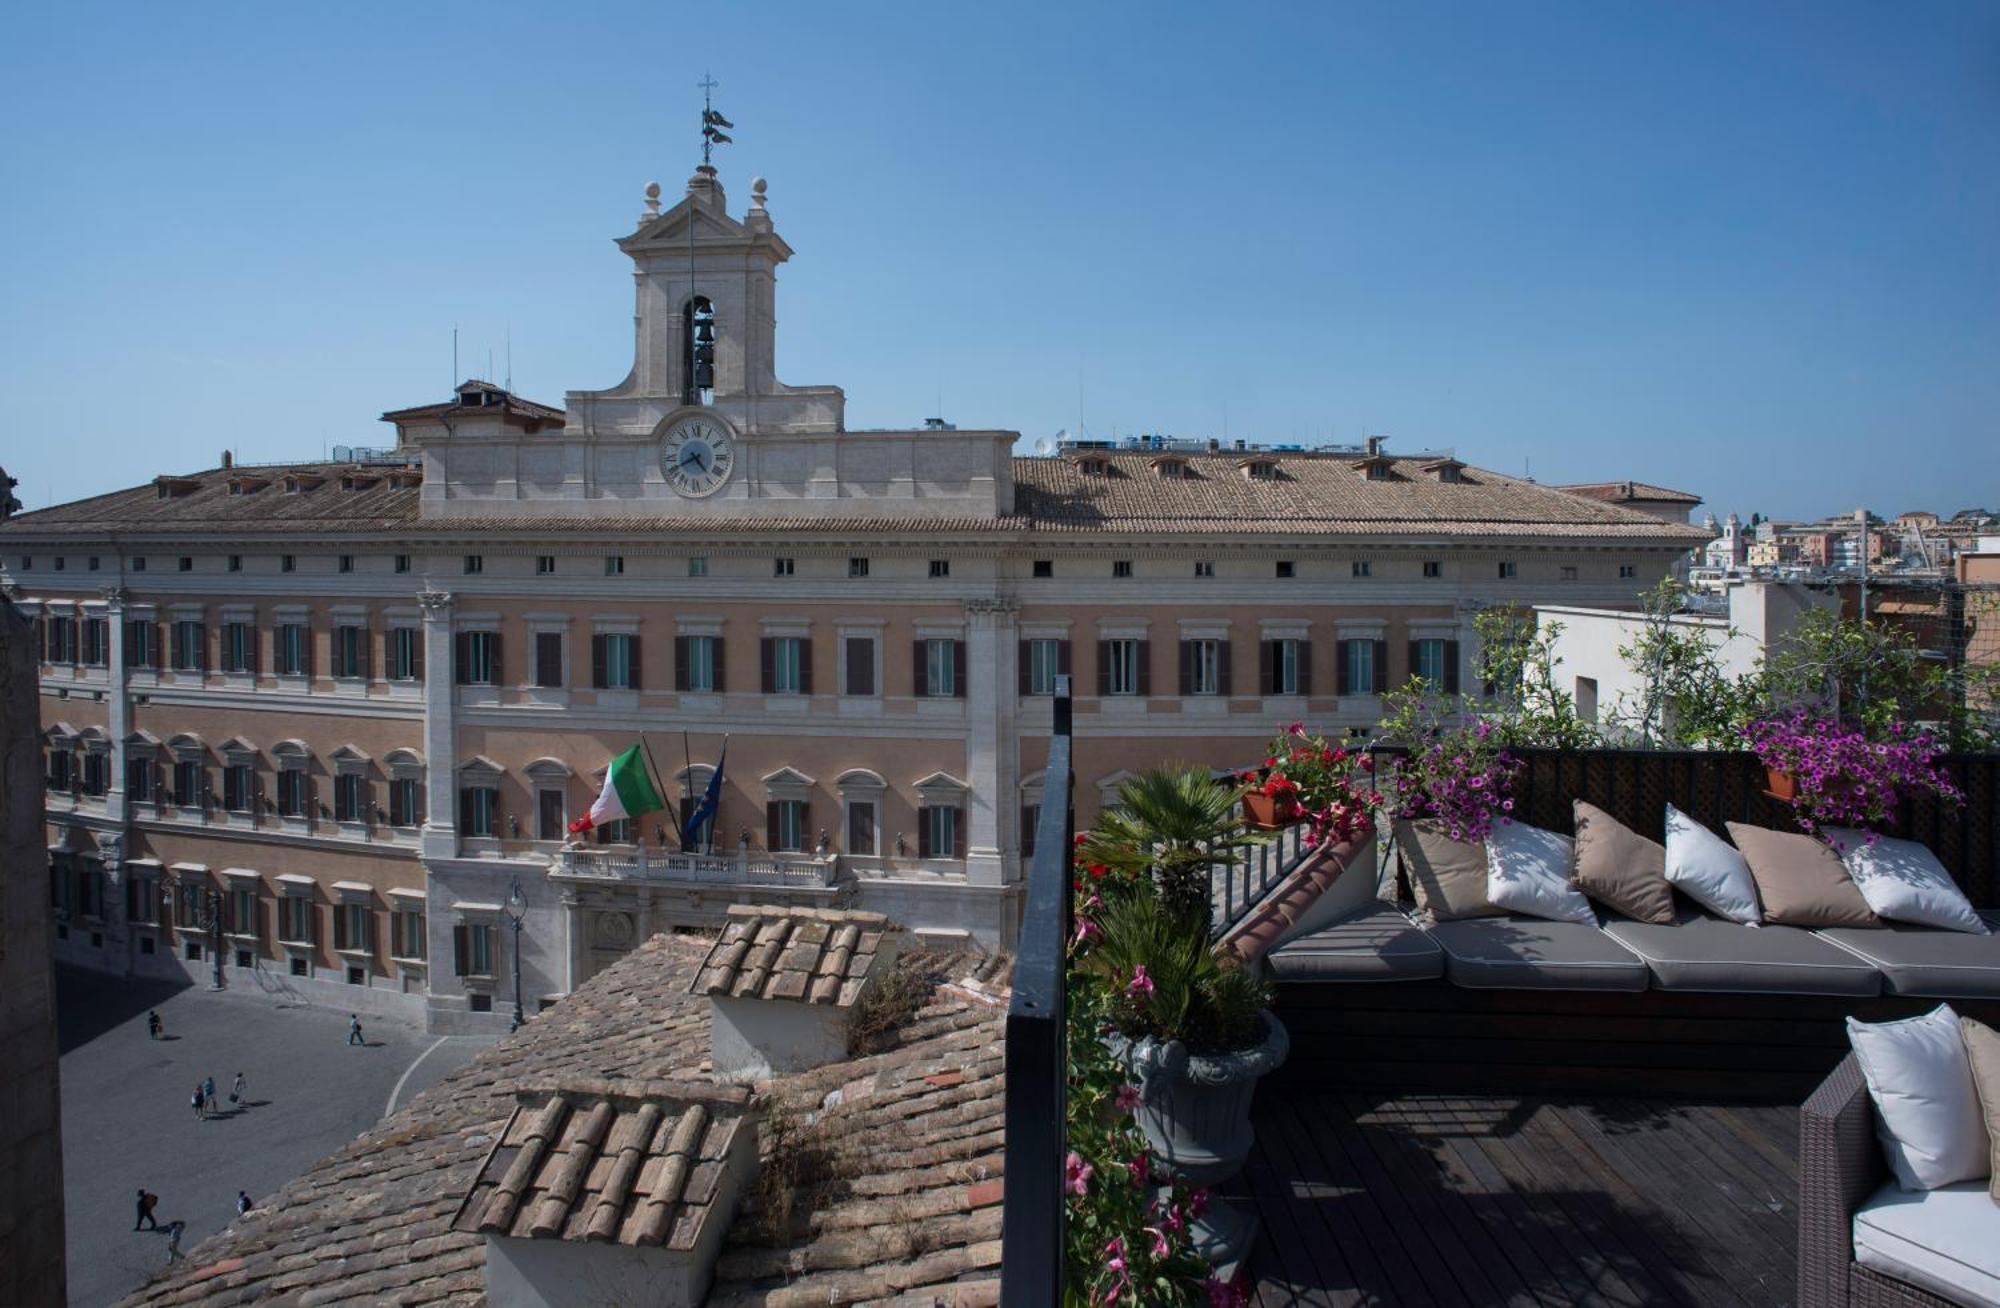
(712, 122)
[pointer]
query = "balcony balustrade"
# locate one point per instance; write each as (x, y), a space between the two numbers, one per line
(748, 867)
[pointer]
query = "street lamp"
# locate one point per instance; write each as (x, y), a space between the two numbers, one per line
(207, 914)
(517, 908)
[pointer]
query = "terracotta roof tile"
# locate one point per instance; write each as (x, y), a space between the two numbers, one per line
(888, 1216)
(1619, 492)
(810, 955)
(1312, 496)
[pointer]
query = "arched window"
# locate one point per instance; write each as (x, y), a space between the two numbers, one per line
(698, 351)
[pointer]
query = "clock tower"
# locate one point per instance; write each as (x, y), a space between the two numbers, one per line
(701, 427)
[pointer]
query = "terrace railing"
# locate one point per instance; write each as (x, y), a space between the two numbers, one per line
(1237, 883)
(1031, 1232)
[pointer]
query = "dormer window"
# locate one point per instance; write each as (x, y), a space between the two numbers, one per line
(1377, 469)
(1445, 470)
(172, 488)
(1259, 469)
(1094, 467)
(1172, 469)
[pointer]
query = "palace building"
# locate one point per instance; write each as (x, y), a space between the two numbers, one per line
(311, 726)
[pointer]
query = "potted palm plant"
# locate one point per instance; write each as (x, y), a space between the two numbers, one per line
(1191, 1026)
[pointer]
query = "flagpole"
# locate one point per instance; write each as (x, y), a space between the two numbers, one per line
(720, 759)
(652, 763)
(687, 788)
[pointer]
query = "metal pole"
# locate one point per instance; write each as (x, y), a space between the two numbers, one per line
(514, 916)
(215, 937)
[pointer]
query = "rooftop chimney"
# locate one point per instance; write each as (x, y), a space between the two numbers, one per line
(784, 983)
(228, 459)
(1375, 444)
(602, 1192)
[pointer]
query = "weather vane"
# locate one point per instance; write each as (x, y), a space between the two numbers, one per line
(712, 122)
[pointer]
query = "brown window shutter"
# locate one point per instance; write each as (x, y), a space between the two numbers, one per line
(767, 670)
(806, 666)
(367, 654)
(636, 662)
(920, 669)
(1381, 667)
(923, 833)
(499, 647)
(307, 645)
(720, 685)
(417, 663)
(680, 663)
(1267, 667)
(860, 665)
(1451, 667)
(1222, 661)
(1103, 667)
(1031, 817)
(1145, 667)
(339, 927)
(1344, 668)
(1024, 666)
(461, 950)
(958, 669)
(1305, 662)
(464, 812)
(599, 660)
(771, 824)
(1187, 667)
(1062, 658)
(548, 658)
(1410, 670)
(462, 657)
(958, 834)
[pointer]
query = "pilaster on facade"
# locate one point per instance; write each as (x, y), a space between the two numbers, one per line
(440, 829)
(991, 658)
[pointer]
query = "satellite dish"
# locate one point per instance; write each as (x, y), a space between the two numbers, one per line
(1045, 447)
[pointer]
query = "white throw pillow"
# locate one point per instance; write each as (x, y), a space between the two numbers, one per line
(1707, 869)
(1527, 871)
(1904, 882)
(1926, 1109)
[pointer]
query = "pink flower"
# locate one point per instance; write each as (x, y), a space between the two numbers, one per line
(1141, 1169)
(1140, 984)
(1077, 1174)
(1161, 1249)
(1086, 930)
(1197, 1204)
(1224, 1294)
(1128, 1099)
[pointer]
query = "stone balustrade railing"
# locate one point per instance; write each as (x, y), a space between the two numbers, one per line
(639, 863)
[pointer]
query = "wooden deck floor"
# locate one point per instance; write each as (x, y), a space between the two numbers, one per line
(1420, 1200)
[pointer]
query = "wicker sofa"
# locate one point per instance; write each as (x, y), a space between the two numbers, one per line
(1840, 1168)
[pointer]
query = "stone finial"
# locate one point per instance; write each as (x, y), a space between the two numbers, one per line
(652, 202)
(757, 189)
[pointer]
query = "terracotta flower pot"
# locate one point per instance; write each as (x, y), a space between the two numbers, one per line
(1784, 787)
(1262, 812)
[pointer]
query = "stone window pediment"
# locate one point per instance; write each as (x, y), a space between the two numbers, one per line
(860, 782)
(349, 761)
(186, 747)
(404, 763)
(479, 766)
(941, 788)
(291, 754)
(788, 783)
(549, 771)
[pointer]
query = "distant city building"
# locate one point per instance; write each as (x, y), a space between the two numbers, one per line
(1654, 501)
(347, 705)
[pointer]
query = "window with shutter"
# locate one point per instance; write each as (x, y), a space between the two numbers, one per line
(548, 659)
(860, 653)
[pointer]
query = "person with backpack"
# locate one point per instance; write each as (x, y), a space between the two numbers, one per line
(200, 1103)
(238, 1090)
(147, 1202)
(153, 1024)
(354, 1030)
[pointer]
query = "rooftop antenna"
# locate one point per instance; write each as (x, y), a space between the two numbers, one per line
(454, 356)
(510, 356)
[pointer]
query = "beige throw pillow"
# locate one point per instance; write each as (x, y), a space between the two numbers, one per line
(1447, 876)
(1982, 1048)
(1619, 868)
(1800, 881)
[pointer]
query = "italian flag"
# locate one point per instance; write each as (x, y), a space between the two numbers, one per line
(628, 792)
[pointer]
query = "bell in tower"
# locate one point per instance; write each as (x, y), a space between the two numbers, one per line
(698, 356)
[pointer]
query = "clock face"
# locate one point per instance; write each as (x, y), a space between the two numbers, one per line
(697, 456)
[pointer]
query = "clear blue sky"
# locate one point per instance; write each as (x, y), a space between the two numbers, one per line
(1748, 250)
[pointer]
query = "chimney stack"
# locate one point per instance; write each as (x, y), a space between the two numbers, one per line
(784, 983)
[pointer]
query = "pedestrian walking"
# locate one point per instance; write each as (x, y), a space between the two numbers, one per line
(145, 1219)
(199, 1101)
(243, 1204)
(354, 1030)
(208, 1092)
(153, 1024)
(174, 1229)
(238, 1090)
